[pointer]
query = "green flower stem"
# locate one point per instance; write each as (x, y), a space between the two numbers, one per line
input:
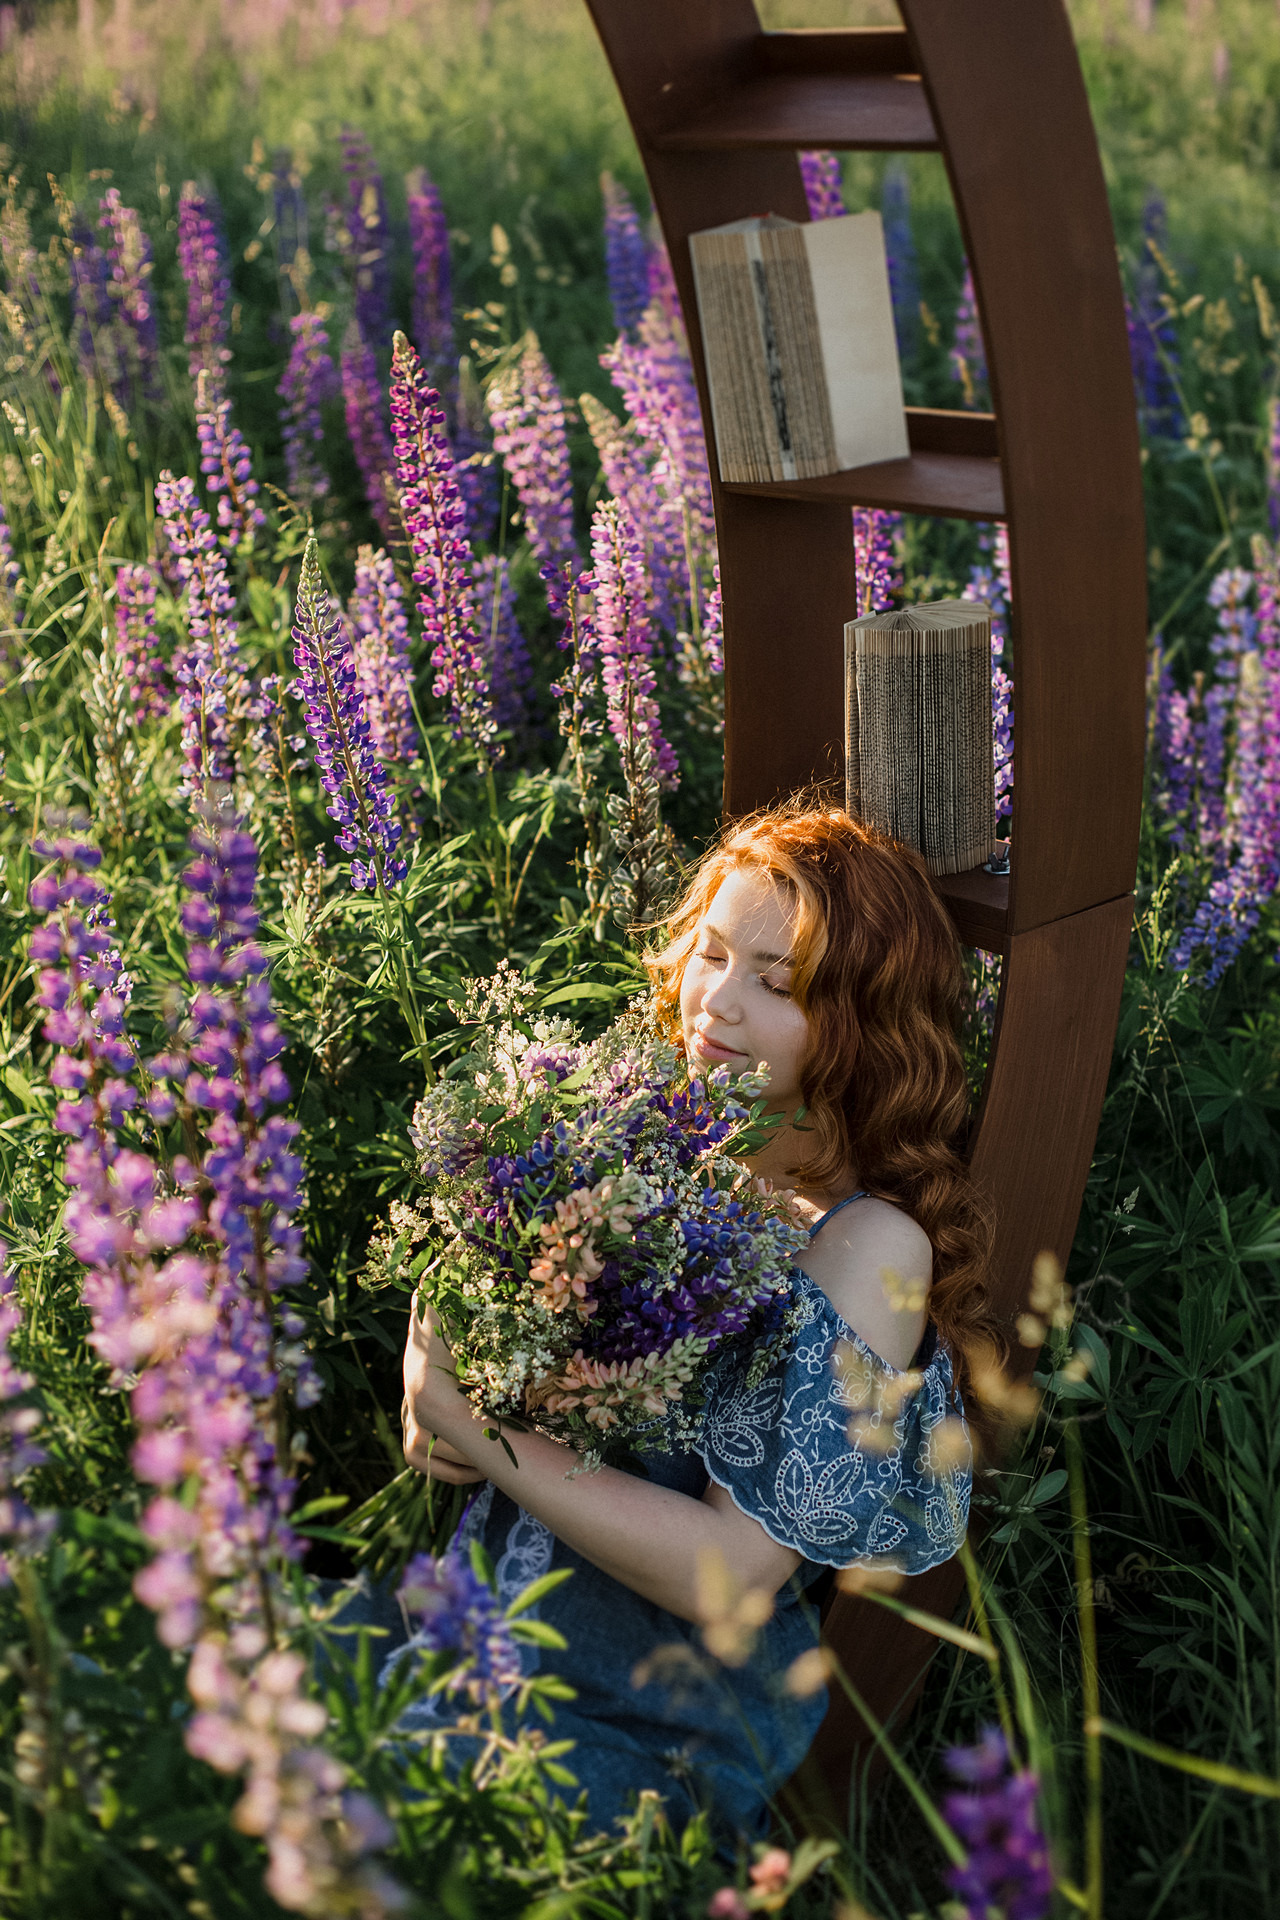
(1089, 1673)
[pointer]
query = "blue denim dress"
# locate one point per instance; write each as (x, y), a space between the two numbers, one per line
(652, 1708)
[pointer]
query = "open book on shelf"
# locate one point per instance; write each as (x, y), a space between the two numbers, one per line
(802, 358)
(920, 754)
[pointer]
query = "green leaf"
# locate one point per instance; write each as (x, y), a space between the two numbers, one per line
(537, 1590)
(584, 990)
(539, 1633)
(1184, 1430)
(1048, 1487)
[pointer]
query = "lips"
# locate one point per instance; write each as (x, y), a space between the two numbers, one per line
(711, 1050)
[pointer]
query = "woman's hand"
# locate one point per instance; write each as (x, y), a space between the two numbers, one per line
(431, 1394)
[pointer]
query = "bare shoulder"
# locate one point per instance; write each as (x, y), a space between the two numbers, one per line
(874, 1263)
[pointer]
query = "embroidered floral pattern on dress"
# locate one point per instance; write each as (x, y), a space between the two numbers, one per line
(782, 1448)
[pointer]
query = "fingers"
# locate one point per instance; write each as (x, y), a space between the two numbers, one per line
(435, 1469)
(436, 1458)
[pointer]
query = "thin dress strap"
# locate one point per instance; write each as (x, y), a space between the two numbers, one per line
(861, 1194)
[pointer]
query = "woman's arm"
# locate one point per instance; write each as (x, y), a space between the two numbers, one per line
(648, 1537)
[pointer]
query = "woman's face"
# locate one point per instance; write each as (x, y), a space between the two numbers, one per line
(735, 994)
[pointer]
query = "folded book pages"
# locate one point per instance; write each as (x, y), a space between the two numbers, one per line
(920, 756)
(802, 358)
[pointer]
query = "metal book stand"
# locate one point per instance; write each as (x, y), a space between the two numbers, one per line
(719, 109)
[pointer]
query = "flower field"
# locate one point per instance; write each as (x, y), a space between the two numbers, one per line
(359, 640)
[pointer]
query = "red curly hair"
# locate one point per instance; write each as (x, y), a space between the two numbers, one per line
(876, 971)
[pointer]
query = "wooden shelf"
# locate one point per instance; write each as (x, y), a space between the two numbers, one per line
(885, 113)
(956, 486)
(978, 902)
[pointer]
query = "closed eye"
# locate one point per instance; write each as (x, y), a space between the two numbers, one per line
(782, 993)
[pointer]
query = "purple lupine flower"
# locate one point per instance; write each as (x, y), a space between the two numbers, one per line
(505, 649)
(528, 419)
(996, 1818)
(91, 313)
(128, 255)
(370, 237)
(380, 627)
(310, 379)
(454, 1611)
(820, 172)
(713, 625)
(202, 256)
(662, 281)
(10, 577)
(366, 424)
(1153, 345)
(875, 558)
(627, 476)
(227, 468)
(1236, 629)
(900, 252)
(1247, 858)
(623, 635)
(655, 378)
(968, 353)
(138, 643)
(235, 1072)
(432, 313)
(1177, 749)
(626, 256)
(22, 1531)
(991, 585)
(475, 464)
(1273, 466)
(444, 567)
(194, 1332)
(577, 689)
(208, 671)
(339, 727)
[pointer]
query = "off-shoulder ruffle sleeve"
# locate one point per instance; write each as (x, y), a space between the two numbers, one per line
(782, 1447)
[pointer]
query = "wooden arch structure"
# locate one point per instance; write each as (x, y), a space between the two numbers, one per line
(720, 108)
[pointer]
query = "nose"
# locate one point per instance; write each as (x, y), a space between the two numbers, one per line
(721, 996)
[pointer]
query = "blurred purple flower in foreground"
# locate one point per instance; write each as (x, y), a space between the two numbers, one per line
(22, 1531)
(192, 1331)
(1008, 1866)
(455, 1612)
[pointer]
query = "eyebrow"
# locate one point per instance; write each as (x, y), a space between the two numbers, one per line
(761, 959)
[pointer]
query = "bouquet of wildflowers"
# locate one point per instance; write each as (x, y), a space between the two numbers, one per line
(588, 1242)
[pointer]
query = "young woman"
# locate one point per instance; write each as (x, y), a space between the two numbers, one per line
(809, 942)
